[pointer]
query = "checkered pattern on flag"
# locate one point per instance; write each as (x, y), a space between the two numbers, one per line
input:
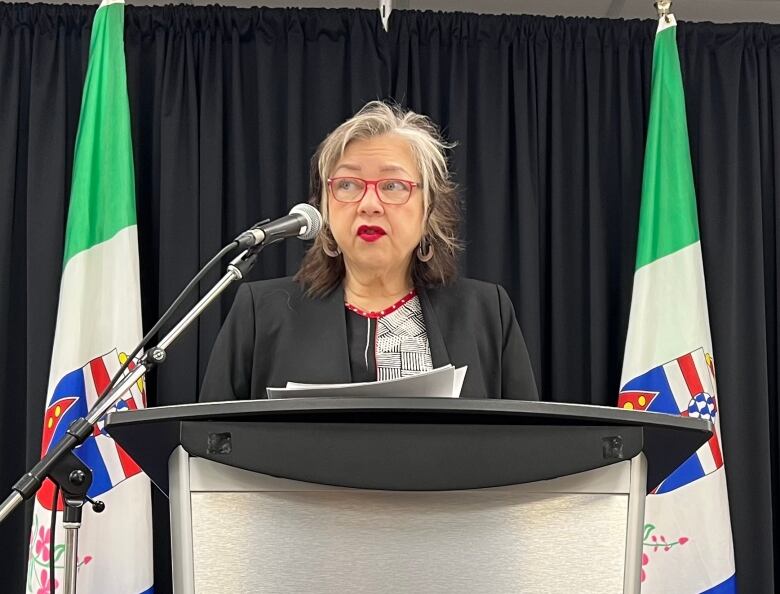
(686, 387)
(668, 365)
(98, 321)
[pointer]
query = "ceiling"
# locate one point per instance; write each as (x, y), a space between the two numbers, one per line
(719, 11)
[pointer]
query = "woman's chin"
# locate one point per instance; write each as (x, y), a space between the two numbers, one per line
(373, 257)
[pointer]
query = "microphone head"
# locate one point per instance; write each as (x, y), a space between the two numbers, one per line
(313, 219)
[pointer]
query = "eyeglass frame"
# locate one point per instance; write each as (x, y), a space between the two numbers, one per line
(372, 182)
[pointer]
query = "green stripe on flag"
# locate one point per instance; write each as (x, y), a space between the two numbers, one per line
(102, 198)
(667, 219)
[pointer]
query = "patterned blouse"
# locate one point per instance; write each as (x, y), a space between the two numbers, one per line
(388, 344)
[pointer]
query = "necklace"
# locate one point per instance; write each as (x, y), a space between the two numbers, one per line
(381, 304)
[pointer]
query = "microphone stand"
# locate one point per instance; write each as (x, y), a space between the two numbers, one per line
(63, 467)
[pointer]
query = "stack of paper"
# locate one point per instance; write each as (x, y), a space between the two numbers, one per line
(444, 382)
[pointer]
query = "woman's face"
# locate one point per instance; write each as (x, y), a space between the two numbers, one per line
(373, 235)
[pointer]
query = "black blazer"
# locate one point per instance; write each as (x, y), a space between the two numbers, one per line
(275, 334)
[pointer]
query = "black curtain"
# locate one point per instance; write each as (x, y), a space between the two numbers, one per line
(549, 115)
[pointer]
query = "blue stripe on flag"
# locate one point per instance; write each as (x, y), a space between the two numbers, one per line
(90, 455)
(687, 472)
(71, 384)
(727, 587)
(655, 381)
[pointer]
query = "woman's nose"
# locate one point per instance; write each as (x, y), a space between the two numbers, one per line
(371, 202)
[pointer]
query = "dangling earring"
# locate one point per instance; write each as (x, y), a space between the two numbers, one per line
(329, 251)
(424, 250)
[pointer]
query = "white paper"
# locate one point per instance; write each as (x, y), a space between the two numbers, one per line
(444, 382)
(457, 380)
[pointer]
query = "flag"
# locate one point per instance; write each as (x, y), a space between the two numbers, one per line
(668, 365)
(98, 322)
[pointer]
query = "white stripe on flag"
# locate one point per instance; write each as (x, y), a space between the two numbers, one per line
(704, 454)
(75, 342)
(137, 396)
(120, 570)
(110, 456)
(678, 385)
(666, 323)
(89, 386)
(692, 511)
(111, 361)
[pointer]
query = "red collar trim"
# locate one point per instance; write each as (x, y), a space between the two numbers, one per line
(388, 310)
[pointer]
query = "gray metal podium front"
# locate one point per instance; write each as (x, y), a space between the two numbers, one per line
(339, 495)
(233, 530)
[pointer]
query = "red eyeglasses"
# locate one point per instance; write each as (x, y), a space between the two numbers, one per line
(353, 189)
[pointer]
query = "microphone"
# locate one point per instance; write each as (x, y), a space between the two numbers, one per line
(304, 222)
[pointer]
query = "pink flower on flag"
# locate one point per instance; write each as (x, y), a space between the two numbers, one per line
(45, 585)
(653, 543)
(42, 544)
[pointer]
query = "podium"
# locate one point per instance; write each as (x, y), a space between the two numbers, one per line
(405, 494)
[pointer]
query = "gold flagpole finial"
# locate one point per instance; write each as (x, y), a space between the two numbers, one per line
(664, 7)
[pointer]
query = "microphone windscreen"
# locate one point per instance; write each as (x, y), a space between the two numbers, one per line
(312, 215)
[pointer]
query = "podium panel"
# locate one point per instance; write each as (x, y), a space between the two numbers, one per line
(240, 531)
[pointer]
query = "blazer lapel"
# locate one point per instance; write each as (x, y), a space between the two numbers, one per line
(439, 354)
(322, 323)
(451, 337)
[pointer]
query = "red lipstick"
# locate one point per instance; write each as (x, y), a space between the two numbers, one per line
(370, 233)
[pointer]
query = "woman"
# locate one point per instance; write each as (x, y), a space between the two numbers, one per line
(377, 295)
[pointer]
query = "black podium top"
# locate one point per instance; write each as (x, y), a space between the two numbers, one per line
(407, 443)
